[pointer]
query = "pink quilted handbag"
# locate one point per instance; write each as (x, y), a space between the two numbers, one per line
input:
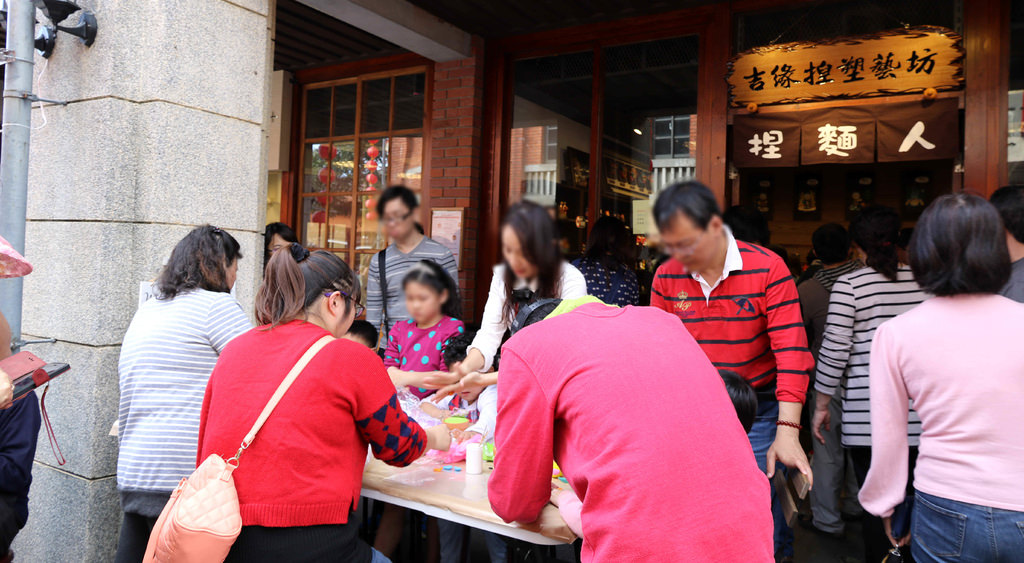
(201, 520)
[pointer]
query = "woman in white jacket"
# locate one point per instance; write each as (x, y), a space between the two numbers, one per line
(532, 269)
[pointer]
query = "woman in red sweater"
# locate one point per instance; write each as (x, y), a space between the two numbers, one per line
(299, 482)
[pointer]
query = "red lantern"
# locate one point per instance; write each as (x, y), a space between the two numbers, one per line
(371, 215)
(326, 175)
(322, 200)
(318, 217)
(371, 179)
(369, 203)
(371, 165)
(327, 152)
(373, 152)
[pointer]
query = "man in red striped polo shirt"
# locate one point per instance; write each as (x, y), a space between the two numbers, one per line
(740, 303)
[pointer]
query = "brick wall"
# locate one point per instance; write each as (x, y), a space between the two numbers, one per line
(455, 159)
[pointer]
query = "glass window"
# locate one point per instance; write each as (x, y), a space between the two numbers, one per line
(318, 112)
(376, 105)
(550, 140)
(650, 94)
(345, 110)
(346, 161)
(409, 94)
(1015, 144)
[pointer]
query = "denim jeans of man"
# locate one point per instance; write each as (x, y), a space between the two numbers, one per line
(762, 435)
(947, 531)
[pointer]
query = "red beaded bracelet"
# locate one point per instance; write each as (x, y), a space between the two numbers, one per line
(789, 424)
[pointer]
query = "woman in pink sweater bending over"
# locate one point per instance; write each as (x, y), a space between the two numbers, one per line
(960, 358)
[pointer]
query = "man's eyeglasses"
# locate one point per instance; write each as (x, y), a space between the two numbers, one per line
(359, 308)
(681, 249)
(393, 220)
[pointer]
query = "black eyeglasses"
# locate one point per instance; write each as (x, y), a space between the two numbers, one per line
(359, 308)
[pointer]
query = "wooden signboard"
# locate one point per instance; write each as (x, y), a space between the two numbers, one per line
(902, 61)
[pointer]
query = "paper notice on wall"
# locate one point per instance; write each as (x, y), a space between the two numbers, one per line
(446, 228)
(641, 216)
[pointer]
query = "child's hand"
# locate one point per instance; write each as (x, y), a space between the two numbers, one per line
(462, 437)
(432, 410)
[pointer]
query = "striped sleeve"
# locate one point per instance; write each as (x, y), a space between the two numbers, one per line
(838, 339)
(450, 265)
(374, 299)
(226, 320)
(657, 294)
(787, 335)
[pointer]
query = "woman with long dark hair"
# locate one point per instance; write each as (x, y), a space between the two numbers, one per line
(607, 264)
(532, 269)
(299, 481)
(167, 355)
(861, 301)
(966, 382)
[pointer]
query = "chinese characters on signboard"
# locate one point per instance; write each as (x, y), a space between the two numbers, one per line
(899, 61)
(896, 132)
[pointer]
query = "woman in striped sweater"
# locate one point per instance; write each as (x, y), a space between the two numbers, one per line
(167, 355)
(860, 301)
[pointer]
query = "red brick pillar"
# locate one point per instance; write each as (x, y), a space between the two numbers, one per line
(455, 172)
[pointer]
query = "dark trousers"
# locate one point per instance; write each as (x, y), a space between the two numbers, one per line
(876, 543)
(9, 523)
(135, 530)
(307, 544)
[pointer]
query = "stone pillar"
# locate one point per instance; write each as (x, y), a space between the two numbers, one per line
(165, 130)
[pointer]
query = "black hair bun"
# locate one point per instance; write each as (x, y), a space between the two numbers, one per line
(299, 252)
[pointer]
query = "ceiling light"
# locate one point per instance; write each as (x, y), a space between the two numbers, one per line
(638, 131)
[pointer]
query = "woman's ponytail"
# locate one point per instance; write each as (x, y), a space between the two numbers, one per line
(876, 230)
(295, 278)
(282, 296)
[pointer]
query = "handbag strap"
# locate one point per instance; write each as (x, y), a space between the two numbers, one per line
(281, 390)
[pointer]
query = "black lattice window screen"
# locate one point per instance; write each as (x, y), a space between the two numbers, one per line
(826, 20)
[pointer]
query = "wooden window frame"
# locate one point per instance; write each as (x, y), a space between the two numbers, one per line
(354, 73)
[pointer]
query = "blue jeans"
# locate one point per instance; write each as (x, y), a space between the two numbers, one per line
(945, 530)
(762, 435)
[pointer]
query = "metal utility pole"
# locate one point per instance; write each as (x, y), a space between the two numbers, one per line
(17, 128)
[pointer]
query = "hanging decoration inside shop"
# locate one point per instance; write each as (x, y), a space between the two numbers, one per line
(905, 131)
(372, 152)
(760, 190)
(917, 193)
(327, 175)
(860, 193)
(806, 198)
(901, 61)
(327, 152)
(625, 176)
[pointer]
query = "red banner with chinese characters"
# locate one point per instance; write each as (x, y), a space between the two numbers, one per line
(766, 141)
(838, 135)
(919, 131)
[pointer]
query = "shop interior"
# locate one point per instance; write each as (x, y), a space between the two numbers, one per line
(645, 134)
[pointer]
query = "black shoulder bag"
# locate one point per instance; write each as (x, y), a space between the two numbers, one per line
(383, 338)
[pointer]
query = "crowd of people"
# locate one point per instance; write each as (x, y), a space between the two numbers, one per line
(668, 421)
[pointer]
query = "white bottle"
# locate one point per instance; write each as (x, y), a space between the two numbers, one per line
(474, 459)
